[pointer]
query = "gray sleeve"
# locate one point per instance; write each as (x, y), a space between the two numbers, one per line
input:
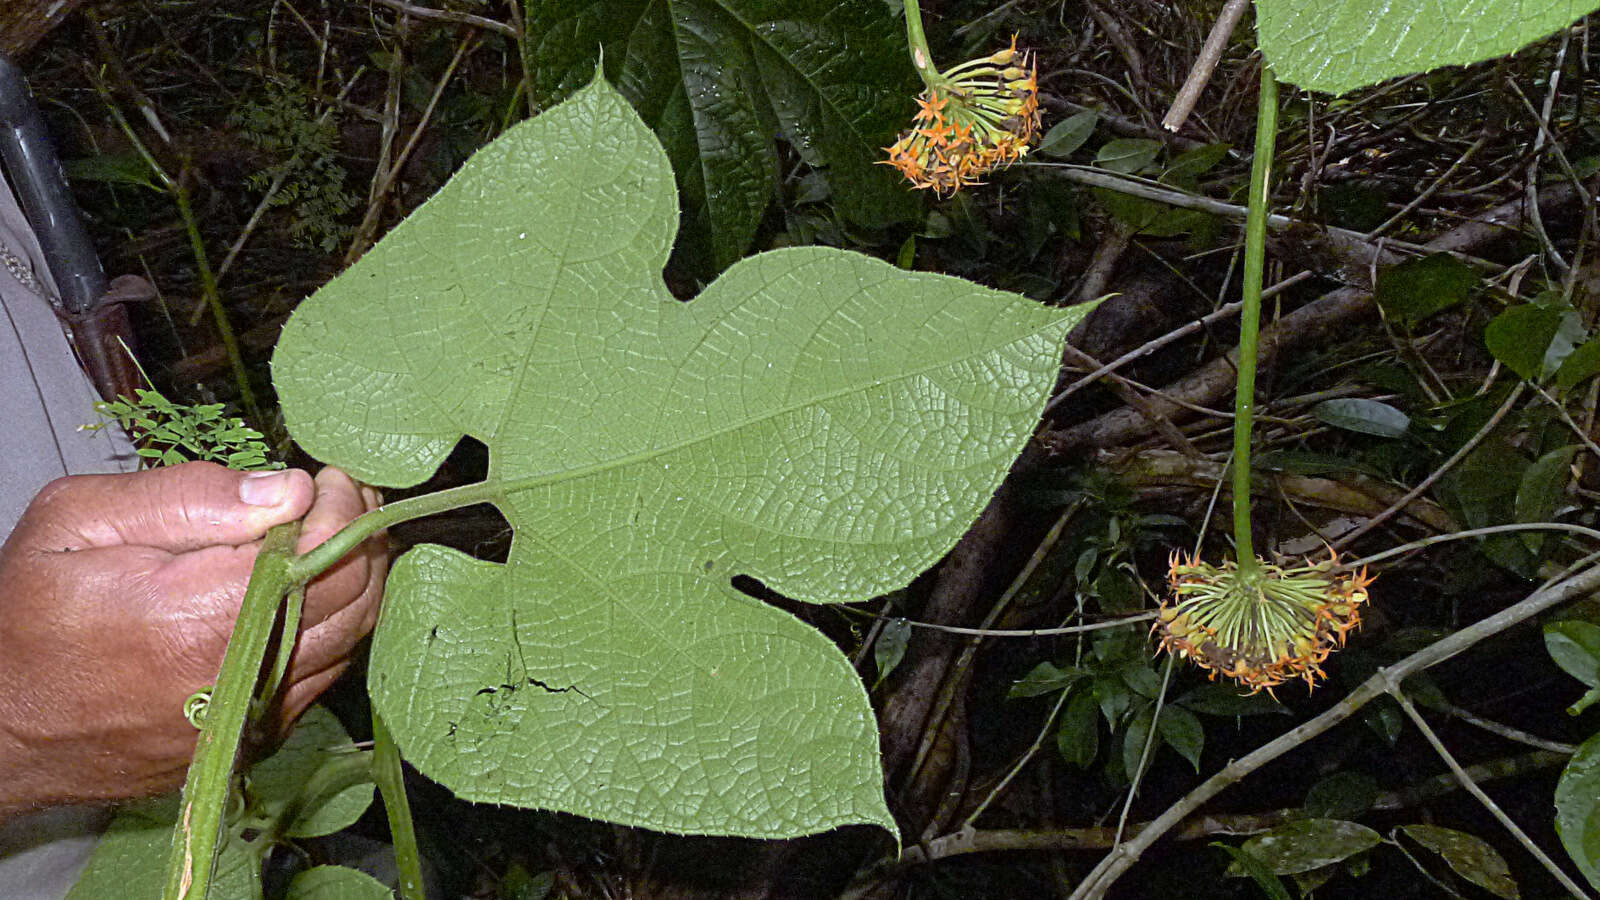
(44, 396)
(44, 400)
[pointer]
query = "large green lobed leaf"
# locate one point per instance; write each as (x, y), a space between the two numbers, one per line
(816, 419)
(1340, 45)
(717, 79)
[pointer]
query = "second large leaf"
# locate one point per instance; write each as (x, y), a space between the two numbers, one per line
(816, 419)
(717, 79)
(1341, 45)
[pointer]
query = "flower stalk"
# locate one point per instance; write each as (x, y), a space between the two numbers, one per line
(971, 119)
(1257, 623)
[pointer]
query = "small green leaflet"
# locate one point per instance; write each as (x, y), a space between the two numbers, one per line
(815, 419)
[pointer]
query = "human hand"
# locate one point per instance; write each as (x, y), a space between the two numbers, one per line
(117, 597)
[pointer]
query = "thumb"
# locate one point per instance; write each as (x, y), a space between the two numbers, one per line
(176, 508)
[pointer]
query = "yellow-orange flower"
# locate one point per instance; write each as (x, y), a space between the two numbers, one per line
(1261, 629)
(978, 116)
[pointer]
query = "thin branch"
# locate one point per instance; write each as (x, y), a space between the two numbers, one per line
(1149, 347)
(453, 17)
(1393, 688)
(1204, 64)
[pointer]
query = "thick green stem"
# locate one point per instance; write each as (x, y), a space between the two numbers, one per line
(391, 781)
(1255, 249)
(210, 781)
(921, 56)
(317, 560)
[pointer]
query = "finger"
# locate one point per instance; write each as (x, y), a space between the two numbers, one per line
(338, 501)
(176, 508)
(194, 601)
(300, 695)
(335, 638)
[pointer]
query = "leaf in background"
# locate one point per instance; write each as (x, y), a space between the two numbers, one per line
(1310, 844)
(1342, 795)
(1364, 416)
(337, 883)
(1247, 863)
(1217, 699)
(1570, 334)
(1418, 288)
(1127, 155)
(1575, 647)
(1469, 856)
(1579, 366)
(129, 861)
(1519, 337)
(1045, 678)
(716, 79)
(1578, 809)
(113, 168)
(890, 648)
(1078, 735)
(1309, 462)
(815, 419)
(1135, 738)
(1068, 135)
(1182, 732)
(1541, 490)
(1340, 45)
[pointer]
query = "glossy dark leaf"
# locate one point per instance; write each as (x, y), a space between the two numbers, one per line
(1045, 678)
(716, 79)
(1363, 416)
(1575, 647)
(1578, 809)
(1541, 490)
(1182, 731)
(1078, 735)
(1127, 155)
(1310, 844)
(1068, 135)
(1469, 856)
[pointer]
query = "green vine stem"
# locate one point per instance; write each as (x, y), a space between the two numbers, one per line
(1255, 247)
(210, 780)
(917, 41)
(389, 775)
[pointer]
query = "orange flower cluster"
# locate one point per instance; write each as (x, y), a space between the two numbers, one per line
(1264, 629)
(983, 114)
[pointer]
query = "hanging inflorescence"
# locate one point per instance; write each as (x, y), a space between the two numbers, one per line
(978, 116)
(1261, 629)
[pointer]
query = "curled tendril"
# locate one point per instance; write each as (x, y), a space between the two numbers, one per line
(194, 708)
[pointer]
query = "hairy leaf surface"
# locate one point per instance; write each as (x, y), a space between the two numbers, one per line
(1341, 45)
(816, 419)
(717, 79)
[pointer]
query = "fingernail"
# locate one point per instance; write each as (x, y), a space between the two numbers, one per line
(264, 488)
